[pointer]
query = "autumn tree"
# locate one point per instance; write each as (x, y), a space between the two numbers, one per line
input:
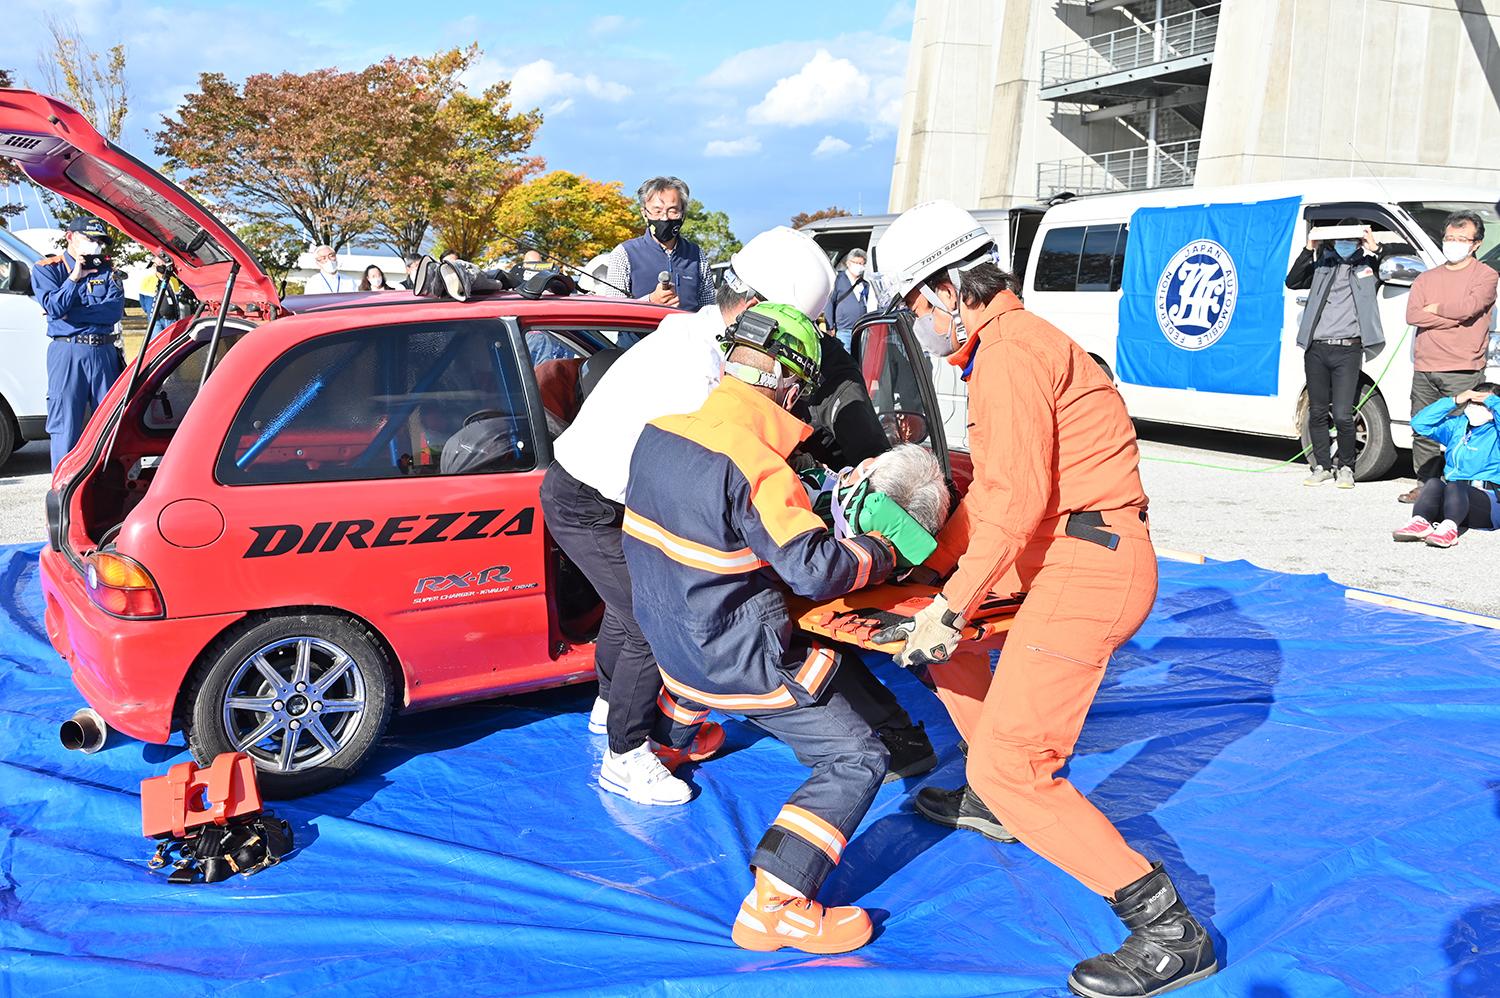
(309, 148)
(804, 218)
(564, 214)
(463, 157)
(93, 82)
(710, 230)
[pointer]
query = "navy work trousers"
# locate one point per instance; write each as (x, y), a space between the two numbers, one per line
(78, 376)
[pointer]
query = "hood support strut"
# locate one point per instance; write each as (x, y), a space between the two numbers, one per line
(213, 341)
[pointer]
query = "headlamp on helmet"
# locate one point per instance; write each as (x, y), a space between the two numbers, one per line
(783, 334)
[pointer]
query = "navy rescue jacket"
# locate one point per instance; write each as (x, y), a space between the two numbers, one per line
(92, 305)
(717, 527)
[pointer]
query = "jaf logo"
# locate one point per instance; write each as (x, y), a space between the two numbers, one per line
(1195, 296)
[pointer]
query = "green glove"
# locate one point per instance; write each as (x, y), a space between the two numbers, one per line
(880, 514)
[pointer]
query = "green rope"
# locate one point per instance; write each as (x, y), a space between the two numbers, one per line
(1303, 452)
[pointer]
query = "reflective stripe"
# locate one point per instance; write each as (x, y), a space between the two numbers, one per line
(749, 921)
(862, 557)
(811, 828)
(816, 670)
(672, 709)
(689, 553)
(778, 699)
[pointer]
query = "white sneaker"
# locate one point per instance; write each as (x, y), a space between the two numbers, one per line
(599, 717)
(638, 775)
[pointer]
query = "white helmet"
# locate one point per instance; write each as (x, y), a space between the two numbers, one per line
(928, 237)
(786, 266)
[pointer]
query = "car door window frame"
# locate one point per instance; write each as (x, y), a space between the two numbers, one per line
(900, 320)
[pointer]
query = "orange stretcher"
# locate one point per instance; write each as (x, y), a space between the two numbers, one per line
(856, 618)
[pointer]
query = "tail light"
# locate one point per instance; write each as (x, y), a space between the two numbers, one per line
(121, 587)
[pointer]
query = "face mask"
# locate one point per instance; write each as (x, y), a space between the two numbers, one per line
(1455, 252)
(856, 271)
(89, 247)
(935, 343)
(1345, 247)
(1478, 414)
(329, 267)
(664, 229)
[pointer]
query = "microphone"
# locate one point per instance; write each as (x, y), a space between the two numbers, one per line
(664, 280)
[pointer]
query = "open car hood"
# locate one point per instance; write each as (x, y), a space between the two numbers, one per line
(57, 148)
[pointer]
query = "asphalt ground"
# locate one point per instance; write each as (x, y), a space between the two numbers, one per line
(1211, 494)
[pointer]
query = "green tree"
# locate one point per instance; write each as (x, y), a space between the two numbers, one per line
(564, 214)
(276, 246)
(9, 172)
(710, 230)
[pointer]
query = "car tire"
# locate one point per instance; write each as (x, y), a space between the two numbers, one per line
(247, 685)
(10, 433)
(1372, 424)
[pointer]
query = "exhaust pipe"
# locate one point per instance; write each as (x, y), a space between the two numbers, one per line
(84, 732)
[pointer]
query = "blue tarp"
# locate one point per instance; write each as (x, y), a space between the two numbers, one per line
(1320, 777)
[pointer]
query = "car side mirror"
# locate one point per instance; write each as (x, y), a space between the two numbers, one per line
(15, 278)
(1401, 270)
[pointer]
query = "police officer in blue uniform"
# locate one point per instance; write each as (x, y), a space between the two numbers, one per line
(82, 297)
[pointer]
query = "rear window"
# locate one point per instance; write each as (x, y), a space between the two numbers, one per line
(414, 400)
(1081, 258)
(148, 209)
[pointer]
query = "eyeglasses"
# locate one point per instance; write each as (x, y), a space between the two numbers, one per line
(660, 215)
(1448, 238)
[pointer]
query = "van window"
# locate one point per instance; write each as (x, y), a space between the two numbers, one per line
(1082, 258)
(1431, 216)
(394, 402)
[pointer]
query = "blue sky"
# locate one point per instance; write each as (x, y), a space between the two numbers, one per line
(765, 109)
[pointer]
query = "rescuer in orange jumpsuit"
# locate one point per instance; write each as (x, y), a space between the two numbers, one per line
(1056, 510)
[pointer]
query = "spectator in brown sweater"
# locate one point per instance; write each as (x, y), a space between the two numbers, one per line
(1450, 308)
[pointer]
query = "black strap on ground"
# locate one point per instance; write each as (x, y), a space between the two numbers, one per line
(211, 853)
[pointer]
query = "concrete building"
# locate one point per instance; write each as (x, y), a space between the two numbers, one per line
(1011, 101)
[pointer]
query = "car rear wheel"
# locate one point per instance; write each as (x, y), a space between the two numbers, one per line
(10, 436)
(307, 696)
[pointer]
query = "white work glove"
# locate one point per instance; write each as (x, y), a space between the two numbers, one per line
(929, 637)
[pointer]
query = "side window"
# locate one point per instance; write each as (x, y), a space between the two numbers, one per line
(401, 401)
(176, 392)
(1089, 258)
(1057, 267)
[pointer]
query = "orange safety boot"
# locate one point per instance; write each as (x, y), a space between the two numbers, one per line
(769, 919)
(708, 740)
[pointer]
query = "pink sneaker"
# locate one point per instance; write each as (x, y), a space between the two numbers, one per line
(1444, 535)
(1417, 529)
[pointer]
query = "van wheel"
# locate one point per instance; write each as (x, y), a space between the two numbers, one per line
(307, 696)
(1375, 450)
(10, 433)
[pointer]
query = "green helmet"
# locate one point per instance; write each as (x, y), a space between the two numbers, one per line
(782, 332)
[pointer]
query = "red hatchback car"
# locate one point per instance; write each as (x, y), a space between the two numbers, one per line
(269, 536)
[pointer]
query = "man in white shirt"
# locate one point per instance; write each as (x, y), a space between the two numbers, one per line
(669, 372)
(328, 280)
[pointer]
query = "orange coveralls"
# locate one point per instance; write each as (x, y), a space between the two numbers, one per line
(1050, 437)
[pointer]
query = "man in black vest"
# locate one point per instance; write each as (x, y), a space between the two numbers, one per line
(637, 264)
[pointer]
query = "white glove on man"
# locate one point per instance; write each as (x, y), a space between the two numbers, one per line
(930, 636)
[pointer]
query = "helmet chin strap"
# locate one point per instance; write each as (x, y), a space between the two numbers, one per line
(787, 389)
(957, 332)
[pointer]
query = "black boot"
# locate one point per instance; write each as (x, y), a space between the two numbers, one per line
(961, 808)
(910, 749)
(1166, 949)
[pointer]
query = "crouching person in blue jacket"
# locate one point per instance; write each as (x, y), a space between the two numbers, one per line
(717, 526)
(1468, 493)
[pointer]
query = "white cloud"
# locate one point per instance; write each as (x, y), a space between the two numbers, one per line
(831, 145)
(537, 82)
(609, 24)
(735, 147)
(825, 89)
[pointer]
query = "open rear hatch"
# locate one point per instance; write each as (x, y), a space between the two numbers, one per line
(58, 149)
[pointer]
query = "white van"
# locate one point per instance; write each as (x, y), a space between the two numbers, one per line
(1072, 267)
(23, 347)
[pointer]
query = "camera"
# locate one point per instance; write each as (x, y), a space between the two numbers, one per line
(93, 261)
